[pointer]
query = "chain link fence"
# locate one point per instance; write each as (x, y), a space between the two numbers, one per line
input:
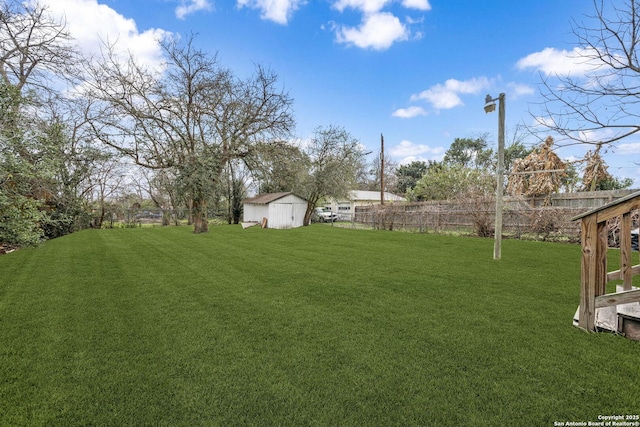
(129, 218)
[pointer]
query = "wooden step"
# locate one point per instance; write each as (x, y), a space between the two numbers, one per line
(629, 326)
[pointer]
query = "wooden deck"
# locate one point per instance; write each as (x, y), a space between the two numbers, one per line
(594, 301)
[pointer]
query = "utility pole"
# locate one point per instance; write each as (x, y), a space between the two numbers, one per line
(490, 106)
(381, 169)
(497, 250)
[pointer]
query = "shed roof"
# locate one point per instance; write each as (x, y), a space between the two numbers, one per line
(265, 199)
(607, 205)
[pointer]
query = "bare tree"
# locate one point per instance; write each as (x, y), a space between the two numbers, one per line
(278, 167)
(41, 145)
(34, 47)
(107, 180)
(335, 158)
(373, 178)
(35, 51)
(606, 97)
(237, 177)
(192, 117)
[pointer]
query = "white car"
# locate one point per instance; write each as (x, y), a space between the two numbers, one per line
(325, 215)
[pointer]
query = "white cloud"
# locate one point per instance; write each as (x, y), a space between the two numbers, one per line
(446, 96)
(192, 6)
(551, 61)
(407, 113)
(377, 31)
(92, 24)
(542, 121)
(518, 89)
(416, 4)
(409, 20)
(372, 6)
(278, 11)
(628, 148)
(572, 158)
(407, 149)
(595, 135)
(367, 6)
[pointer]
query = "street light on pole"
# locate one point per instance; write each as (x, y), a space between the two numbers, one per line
(490, 106)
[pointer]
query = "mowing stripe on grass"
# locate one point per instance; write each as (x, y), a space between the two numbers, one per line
(311, 326)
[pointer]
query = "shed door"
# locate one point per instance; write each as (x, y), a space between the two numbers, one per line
(282, 215)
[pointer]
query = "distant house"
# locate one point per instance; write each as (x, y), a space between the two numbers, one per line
(281, 210)
(347, 206)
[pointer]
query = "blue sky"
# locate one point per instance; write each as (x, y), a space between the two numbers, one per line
(416, 71)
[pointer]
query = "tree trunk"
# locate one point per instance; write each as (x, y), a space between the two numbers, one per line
(190, 209)
(307, 213)
(100, 218)
(236, 204)
(200, 222)
(166, 217)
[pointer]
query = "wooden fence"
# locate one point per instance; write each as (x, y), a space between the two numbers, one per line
(522, 218)
(582, 199)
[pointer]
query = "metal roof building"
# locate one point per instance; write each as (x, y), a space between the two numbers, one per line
(346, 207)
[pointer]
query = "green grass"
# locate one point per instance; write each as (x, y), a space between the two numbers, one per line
(311, 326)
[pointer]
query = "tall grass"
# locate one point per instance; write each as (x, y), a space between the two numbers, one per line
(312, 326)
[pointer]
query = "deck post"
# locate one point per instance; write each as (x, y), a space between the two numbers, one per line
(586, 318)
(626, 274)
(601, 258)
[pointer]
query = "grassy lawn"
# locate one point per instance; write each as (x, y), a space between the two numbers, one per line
(313, 326)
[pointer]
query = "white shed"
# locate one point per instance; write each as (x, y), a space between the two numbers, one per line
(282, 210)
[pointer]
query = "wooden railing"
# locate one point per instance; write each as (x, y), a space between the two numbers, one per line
(593, 275)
